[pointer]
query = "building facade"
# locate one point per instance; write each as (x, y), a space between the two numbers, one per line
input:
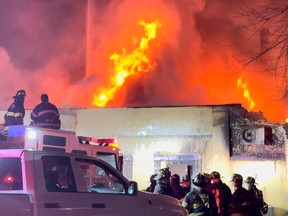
(223, 138)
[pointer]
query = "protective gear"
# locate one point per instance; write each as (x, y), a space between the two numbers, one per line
(45, 114)
(163, 174)
(237, 178)
(16, 112)
(250, 179)
(222, 194)
(215, 175)
(175, 178)
(199, 180)
(178, 190)
(200, 202)
(162, 182)
(20, 93)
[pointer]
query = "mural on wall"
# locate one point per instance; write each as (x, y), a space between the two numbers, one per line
(252, 137)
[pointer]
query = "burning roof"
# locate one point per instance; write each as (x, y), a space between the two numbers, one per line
(132, 53)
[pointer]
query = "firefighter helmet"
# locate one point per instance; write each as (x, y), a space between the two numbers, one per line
(237, 178)
(20, 93)
(250, 179)
(215, 175)
(199, 180)
(163, 174)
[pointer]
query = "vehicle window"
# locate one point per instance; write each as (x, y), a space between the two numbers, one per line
(10, 174)
(108, 157)
(100, 178)
(54, 140)
(58, 174)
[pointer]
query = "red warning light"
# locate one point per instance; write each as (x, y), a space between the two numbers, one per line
(9, 179)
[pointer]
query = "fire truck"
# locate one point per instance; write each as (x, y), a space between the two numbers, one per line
(37, 138)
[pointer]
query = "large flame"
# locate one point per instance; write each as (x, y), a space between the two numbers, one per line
(246, 93)
(194, 64)
(127, 64)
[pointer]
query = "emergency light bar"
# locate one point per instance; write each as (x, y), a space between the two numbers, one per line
(110, 142)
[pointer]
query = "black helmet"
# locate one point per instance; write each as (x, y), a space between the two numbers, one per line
(237, 178)
(215, 175)
(250, 179)
(163, 174)
(199, 180)
(20, 93)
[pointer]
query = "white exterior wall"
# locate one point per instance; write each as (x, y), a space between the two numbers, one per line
(199, 132)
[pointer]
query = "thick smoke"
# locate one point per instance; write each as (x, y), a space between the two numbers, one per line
(196, 57)
(42, 48)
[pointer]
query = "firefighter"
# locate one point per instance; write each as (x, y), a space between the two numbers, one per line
(152, 184)
(185, 183)
(199, 201)
(260, 207)
(221, 192)
(242, 201)
(45, 114)
(16, 111)
(163, 182)
(178, 190)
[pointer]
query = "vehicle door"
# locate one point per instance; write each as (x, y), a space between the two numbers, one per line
(56, 190)
(106, 190)
(67, 186)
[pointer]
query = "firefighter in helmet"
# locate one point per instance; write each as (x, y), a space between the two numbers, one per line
(163, 182)
(199, 201)
(242, 201)
(221, 192)
(16, 111)
(260, 207)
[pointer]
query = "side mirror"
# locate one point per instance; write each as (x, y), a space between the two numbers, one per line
(132, 188)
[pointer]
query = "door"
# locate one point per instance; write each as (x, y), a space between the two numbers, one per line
(106, 190)
(81, 186)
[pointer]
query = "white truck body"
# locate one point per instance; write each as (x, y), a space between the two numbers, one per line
(46, 183)
(37, 138)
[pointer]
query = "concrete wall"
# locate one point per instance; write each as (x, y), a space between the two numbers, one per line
(152, 138)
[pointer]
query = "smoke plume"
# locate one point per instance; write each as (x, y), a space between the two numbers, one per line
(62, 48)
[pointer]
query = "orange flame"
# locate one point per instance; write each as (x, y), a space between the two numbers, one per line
(126, 65)
(246, 93)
